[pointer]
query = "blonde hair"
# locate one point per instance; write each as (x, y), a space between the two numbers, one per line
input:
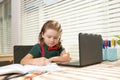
(50, 24)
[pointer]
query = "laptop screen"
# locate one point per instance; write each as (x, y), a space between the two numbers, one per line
(90, 48)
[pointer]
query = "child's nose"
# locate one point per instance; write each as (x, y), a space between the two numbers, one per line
(51, 39)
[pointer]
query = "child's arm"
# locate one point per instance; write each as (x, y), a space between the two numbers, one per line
(64, 57)
(28, 59)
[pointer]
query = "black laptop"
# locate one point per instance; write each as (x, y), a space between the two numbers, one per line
(90, 50)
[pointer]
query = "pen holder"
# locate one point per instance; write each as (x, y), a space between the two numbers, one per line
(104, 54)
(111, 54)
(118, 52)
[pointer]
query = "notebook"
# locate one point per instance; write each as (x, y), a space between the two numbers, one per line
(90, 50)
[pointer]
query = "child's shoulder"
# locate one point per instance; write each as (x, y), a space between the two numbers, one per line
(35, 45)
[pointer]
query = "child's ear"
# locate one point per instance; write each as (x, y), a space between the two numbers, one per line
(42, 35)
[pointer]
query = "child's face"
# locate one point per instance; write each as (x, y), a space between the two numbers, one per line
(51, 37)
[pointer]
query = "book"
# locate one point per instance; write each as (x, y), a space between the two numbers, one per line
(19, 68)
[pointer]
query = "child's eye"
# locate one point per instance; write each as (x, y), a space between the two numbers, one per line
(49, 36)
(55, 37)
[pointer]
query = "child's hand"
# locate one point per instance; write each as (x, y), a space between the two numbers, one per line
(44, 61)
(41, 61)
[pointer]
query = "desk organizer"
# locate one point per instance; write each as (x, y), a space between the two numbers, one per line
(104, 54)
(111, 54)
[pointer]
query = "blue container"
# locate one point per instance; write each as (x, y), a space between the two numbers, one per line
(104, 54)
(111, 54)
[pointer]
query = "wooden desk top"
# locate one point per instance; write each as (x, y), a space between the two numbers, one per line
(102, 71)
(6, 57)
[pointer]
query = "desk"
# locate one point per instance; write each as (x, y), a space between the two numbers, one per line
(102, 71)
(6, 57)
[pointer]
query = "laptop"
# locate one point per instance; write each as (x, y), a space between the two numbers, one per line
(20, 51)
(90, 50)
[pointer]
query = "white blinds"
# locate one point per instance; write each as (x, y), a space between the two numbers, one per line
(5, 27)
(113, 14)
(77, 16)
(30, 21)
(86, 16)
(1, 29)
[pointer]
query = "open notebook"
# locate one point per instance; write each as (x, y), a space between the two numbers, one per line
(90, 50)
(18, 68)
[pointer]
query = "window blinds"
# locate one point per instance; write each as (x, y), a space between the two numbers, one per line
(5, 27)
(86, 16)
(1, 29)
(30, 21)
(113, 19)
